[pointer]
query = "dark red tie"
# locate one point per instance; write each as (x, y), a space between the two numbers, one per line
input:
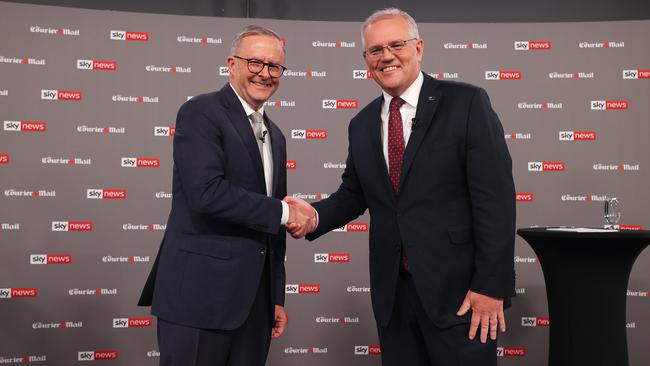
(396, 153)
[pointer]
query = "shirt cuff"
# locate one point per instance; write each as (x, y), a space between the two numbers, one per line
(285, 213)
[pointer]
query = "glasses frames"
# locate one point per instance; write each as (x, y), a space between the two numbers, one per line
(394, 48)
(256, 66)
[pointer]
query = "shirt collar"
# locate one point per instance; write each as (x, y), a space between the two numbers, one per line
(247, 108)
(411, 94)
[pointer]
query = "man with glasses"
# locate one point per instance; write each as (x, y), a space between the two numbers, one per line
(217, 286)
(428, 159)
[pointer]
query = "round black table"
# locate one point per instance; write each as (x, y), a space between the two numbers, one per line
(586, 277)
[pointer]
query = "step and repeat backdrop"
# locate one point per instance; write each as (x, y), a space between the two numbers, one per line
(88, 101)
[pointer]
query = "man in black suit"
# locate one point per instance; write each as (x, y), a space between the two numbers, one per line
(217, 285)
(428, 159)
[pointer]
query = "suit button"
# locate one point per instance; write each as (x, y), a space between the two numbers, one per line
(262, 251)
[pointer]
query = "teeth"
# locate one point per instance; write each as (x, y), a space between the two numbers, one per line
(390, 68)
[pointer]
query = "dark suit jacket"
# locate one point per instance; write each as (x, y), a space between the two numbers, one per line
(455, 214)
(222, 224)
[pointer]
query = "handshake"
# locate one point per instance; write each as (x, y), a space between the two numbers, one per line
(302, 217)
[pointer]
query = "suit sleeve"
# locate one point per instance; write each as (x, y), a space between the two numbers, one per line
(492, 194)
(200, 159)
(344, 205)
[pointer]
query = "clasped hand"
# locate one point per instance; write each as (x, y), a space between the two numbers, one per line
(302, 217)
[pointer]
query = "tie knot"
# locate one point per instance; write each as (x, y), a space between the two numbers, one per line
(256, 117)
(396, 103)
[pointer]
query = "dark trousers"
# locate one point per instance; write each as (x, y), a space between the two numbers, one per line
(412, 339)
(247, 345)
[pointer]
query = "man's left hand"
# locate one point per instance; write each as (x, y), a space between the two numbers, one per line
(280, 323)
(486, 311)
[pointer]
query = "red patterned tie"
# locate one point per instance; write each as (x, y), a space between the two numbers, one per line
(396, 153)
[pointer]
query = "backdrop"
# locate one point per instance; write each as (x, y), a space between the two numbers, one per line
(88, 100)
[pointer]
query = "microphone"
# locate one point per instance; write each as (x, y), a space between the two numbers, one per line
(263, 137)
(414, 123)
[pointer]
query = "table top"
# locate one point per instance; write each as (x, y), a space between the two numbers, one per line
(542, 232)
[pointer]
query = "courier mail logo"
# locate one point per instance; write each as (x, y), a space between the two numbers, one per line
(97, 355)
(337, 44)
(510, 352)
(309, 134)
(545, 105)
(101, 194)
(95, 129)
(367, 350)
(172, 69)
(636, 74)
(546, 166)
(63, 95)
(22, 60)
(535, 321)
(518, 136)
(57, 31)
(525, 197)
(72, 226)
(601, 105)
(132, 322)
(532, 45)
(577, 135)
(50, 258)
(361, 74)
(465, 46)
(503, 75)
(134, 99)
(164, 131)
(199, 40)
(96, 65)
(128, 162)
(25, 126)
(340, 104)
(616, 167)
(303, 288)
(353, 227)
(118, 35)
(18, 292)
(280, 103)
(444, 75)
(305, 74)
(331, 257)
(605, 44)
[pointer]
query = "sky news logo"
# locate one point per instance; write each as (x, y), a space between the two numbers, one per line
(525, 197)
(22, 60)
(132, 322)
(25, 126)
(532, 45)
(5, 158)
(291, 165)
(444, 75)
(96, 65)
(199, 40)
(303, 288)
(18, 292)
(164, 131)
(518, 136)
(140, 162)
(97, 355)
(118, 35)
(362, 74)
(72, 226)
(353, 227)
(331, 257)
(309, 134)
(56, 31)
(340, 104)
(546, 166)
(63, 95)
(224, 71)
(636, 74)
(50, 259)
(601, 105)
(577, 135)
(535, 322)
(503, 75)
(100, 194)
(367, 350)
(510, 352)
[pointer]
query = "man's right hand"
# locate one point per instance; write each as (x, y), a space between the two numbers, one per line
(302, 217)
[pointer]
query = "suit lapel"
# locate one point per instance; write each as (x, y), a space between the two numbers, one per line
(374, 127)
(275, 150)
(427, 104)
(242, 124)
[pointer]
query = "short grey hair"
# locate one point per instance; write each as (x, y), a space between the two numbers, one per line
(390, 13)
(254, 30)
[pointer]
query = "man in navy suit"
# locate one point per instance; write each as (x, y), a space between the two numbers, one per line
(217, 286)
(428, 159)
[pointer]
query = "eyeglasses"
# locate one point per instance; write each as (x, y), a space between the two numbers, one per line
(256, 66)
(394, 48)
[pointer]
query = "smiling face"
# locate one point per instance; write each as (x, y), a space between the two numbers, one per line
(394, 72)
(255, 89)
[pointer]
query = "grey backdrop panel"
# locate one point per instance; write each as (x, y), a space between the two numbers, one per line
(64, 320)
